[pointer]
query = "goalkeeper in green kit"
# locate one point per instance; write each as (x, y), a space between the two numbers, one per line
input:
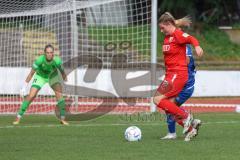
(45, 70)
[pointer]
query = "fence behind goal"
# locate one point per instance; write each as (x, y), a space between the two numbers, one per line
(99, 41)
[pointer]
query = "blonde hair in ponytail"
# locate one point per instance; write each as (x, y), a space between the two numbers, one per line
(183, 22)
(168, 17)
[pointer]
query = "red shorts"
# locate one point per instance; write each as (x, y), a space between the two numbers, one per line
(173, 83)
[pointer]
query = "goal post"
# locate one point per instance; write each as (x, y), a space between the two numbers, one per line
(153, 48)
(105, 45)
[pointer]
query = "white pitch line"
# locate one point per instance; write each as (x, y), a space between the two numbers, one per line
(123, 104)
(209, 105)
(79, 103)
(106, 125)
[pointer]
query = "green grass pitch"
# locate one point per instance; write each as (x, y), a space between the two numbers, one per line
(42, 138)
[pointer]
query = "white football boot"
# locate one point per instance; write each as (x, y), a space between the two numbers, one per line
(170, 136)
(17, 120)
(63, 121)
(190, 135)
(196, 124)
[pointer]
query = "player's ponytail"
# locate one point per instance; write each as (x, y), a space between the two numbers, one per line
(48, 46)
(168, 18)
(183, 22)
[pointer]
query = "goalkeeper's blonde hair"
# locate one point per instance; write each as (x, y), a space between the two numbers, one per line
(168, 18)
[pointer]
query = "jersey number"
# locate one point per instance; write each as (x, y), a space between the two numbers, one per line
(166, 48)
(35, 80)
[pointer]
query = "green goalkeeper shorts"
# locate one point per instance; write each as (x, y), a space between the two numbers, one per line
(39, 81)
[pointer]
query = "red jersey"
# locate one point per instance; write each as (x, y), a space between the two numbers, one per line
(174, 50)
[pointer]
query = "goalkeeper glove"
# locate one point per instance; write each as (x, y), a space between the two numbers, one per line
(23, 90)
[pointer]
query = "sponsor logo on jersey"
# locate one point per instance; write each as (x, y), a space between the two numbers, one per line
(170, 39)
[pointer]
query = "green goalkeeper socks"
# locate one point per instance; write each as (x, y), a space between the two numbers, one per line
(61, 105)
(24, 107)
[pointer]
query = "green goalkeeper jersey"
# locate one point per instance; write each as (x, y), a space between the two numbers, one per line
(47, 69)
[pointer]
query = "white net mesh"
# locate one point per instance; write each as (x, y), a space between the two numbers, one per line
(104, 36)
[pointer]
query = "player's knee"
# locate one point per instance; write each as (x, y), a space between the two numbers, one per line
(59, 97)
(158, 97)
(156, 100)
(30, 98)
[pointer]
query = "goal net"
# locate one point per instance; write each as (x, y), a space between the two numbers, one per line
(104, 44)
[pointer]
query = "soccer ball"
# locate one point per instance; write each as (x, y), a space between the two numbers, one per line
(133, 133)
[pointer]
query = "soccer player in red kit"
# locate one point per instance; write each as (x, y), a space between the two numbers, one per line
(176, 76)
